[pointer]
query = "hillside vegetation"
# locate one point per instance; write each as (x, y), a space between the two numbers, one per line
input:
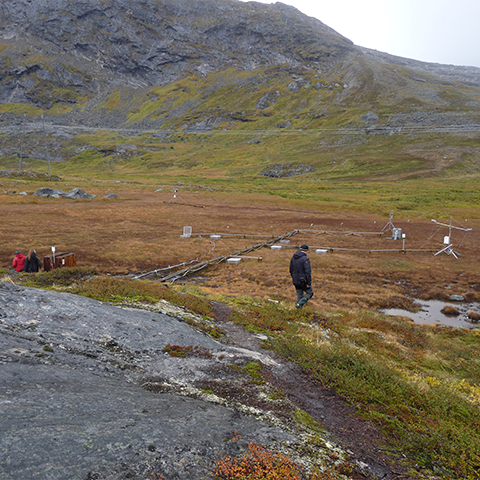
(270, 122)
(222, 89)
(253, 120)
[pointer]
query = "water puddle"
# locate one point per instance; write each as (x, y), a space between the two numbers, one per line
(430, 313)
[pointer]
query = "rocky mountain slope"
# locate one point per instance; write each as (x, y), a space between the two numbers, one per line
(65, 53)
(195, 66)
(88, 46)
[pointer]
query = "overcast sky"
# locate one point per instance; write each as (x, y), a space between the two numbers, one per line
(440, 31)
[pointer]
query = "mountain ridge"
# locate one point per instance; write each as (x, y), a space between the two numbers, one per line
(148, 43)
(195, 66)
(169, 33)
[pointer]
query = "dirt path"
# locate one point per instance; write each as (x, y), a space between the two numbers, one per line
(361, 439)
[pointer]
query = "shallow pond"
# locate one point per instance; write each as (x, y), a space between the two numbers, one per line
(430, 312)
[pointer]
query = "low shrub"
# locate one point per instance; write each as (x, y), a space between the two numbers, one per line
(450, 311)
(270, 318)
(260, 463)
(63, 277)
(111, 289)
(257, 464)
(186, 351)
(474, 316)
(426, 412)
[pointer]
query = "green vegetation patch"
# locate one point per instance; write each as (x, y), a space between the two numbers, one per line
(413, 381)
(87, 282)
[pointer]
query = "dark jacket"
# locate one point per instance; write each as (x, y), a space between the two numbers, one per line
(300, 269)
(18, 262)
(33, 264)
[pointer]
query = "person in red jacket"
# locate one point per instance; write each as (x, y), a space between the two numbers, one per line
(19, 261)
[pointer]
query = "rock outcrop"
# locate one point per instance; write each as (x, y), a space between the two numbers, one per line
(87, 391)
(75, 193)
(85, 45)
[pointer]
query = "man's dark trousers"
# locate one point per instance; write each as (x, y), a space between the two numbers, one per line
(304, 294)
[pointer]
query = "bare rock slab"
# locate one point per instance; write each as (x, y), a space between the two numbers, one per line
(71, 401)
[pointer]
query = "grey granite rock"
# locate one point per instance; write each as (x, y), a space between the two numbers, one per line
(71, 370)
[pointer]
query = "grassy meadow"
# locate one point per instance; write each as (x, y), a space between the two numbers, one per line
(420, 384)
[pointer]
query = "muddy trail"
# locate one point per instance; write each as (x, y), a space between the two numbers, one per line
(363, 442)
(90, 390)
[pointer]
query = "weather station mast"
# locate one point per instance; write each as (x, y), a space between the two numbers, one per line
(447, 240)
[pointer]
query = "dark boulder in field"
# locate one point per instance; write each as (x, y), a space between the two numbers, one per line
(73, 194)
(49, 192)
(78, 193)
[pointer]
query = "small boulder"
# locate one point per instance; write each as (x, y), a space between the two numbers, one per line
(370, 118)
(125, 147)
(78, 193)
(458, 298)
(474, 316)
(293, 86)
(267, 100)
(49, 192)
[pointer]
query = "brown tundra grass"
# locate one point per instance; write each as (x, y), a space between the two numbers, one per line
(418, 383)
(140, 231)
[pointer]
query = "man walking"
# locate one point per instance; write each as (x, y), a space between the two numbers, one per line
(301, 273)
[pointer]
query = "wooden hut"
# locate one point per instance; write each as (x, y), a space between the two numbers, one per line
(60, 260)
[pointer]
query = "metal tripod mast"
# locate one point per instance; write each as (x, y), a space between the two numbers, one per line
(448, 240)
(389, 225)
